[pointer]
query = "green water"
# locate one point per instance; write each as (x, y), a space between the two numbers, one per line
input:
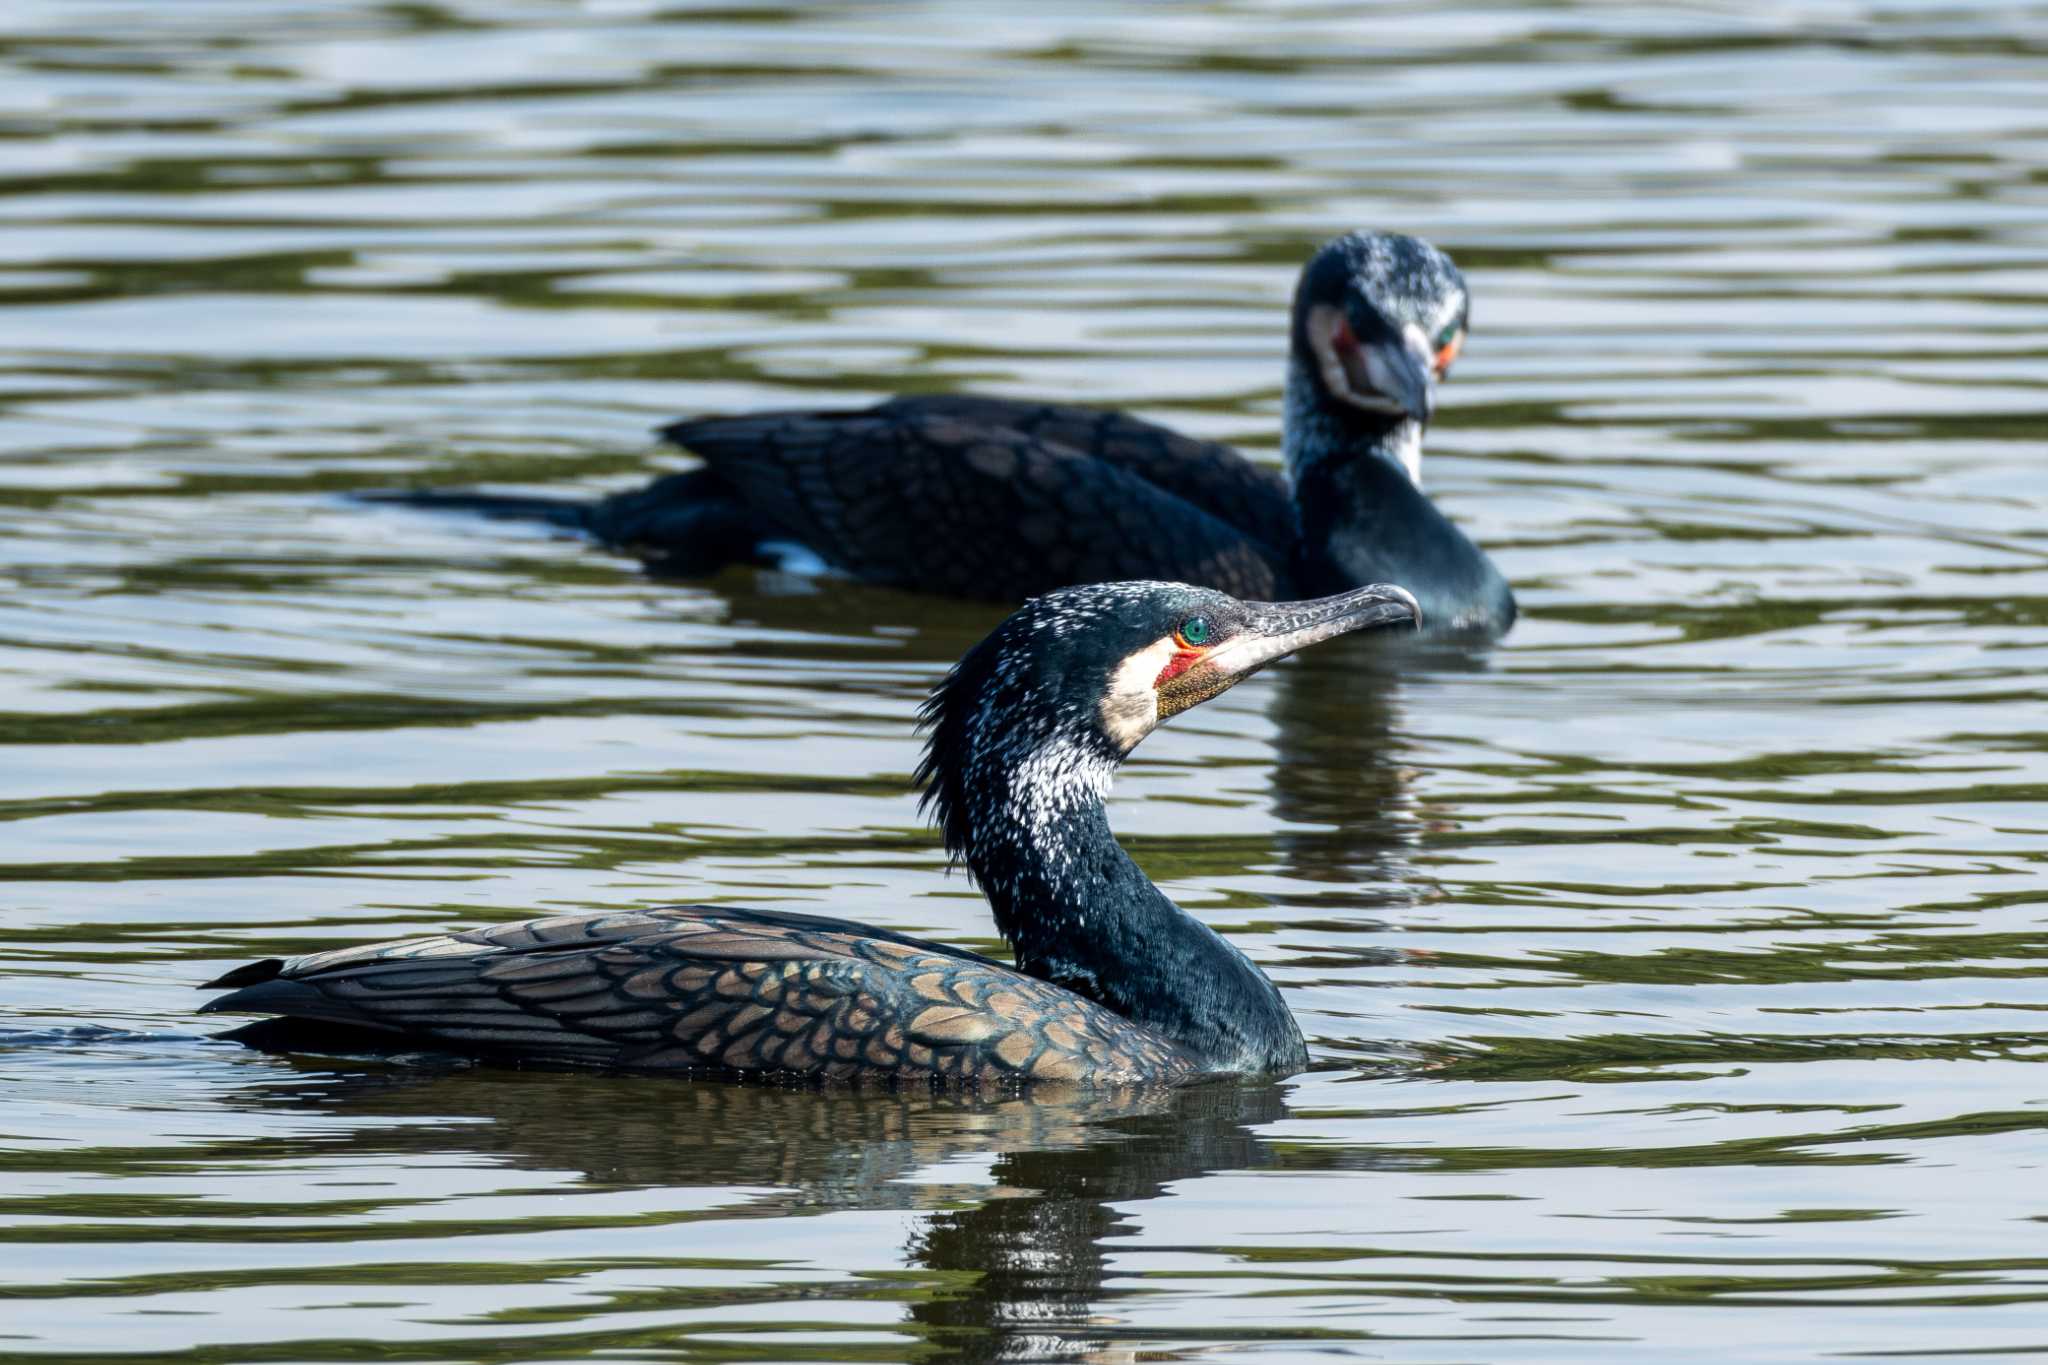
(1676, 973)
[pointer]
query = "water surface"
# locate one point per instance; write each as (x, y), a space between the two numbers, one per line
(1675, 973)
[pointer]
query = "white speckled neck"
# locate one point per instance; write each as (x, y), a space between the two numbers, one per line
(1312, 433)
(1404, 446)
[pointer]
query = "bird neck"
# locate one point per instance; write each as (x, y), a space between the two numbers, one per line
(1365, 519)
(1318, 429)
(1079, 913)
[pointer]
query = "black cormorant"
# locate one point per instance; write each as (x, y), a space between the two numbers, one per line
(1000, 499)
(1113, 982)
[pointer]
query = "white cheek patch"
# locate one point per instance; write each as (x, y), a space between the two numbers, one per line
(1324, 325)
(1130, 709)
(1347, 371)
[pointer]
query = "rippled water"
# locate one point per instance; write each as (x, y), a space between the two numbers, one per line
(1676, 972)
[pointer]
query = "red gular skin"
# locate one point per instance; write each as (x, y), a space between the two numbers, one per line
(1183, 659)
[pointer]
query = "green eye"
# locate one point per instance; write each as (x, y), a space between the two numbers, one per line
(1448, 335)
(1195, 631)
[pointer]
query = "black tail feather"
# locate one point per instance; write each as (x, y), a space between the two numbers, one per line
(248, 974)
(683, 525)
(295, 999)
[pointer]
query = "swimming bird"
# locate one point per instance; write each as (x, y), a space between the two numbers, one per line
(1112, 982)
(1001, 499)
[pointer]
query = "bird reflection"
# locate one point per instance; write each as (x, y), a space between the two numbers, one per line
(1042, 1256)
(918, 628)
(1338, 763)
(1018, 1264)
(1349, 818)
(1336, 779)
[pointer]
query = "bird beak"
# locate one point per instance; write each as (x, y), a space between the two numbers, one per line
(1394, 376)
(1403, 372)
(1275, 630)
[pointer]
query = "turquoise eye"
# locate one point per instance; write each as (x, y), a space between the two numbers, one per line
(1447, 336)
(1195, 631)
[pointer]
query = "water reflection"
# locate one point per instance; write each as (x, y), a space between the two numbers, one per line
(1015, 1252)
(1338, 768)
(1040, 1254)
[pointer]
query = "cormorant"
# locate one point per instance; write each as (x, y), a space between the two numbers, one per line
(1001, 499)
(1113, 982)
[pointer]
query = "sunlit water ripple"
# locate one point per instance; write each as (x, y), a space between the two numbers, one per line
(1675, 972)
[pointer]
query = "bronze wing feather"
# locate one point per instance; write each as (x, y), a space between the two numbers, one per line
(704, 989)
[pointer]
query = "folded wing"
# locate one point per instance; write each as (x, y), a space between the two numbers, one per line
(700, 989)
(944, 496)
(1207, 474)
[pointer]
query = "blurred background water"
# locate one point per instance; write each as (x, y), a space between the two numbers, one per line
(1675, 972)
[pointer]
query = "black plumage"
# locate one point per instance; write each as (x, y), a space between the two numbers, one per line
(1002, 499)
(1112, 983)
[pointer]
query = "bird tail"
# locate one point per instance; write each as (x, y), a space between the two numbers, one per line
(564, 512)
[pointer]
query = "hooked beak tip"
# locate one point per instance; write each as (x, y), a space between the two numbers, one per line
(1367, 608)
(1398, 604)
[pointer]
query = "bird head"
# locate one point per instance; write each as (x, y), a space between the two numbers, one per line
(1378, 320)
(1069, 684)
